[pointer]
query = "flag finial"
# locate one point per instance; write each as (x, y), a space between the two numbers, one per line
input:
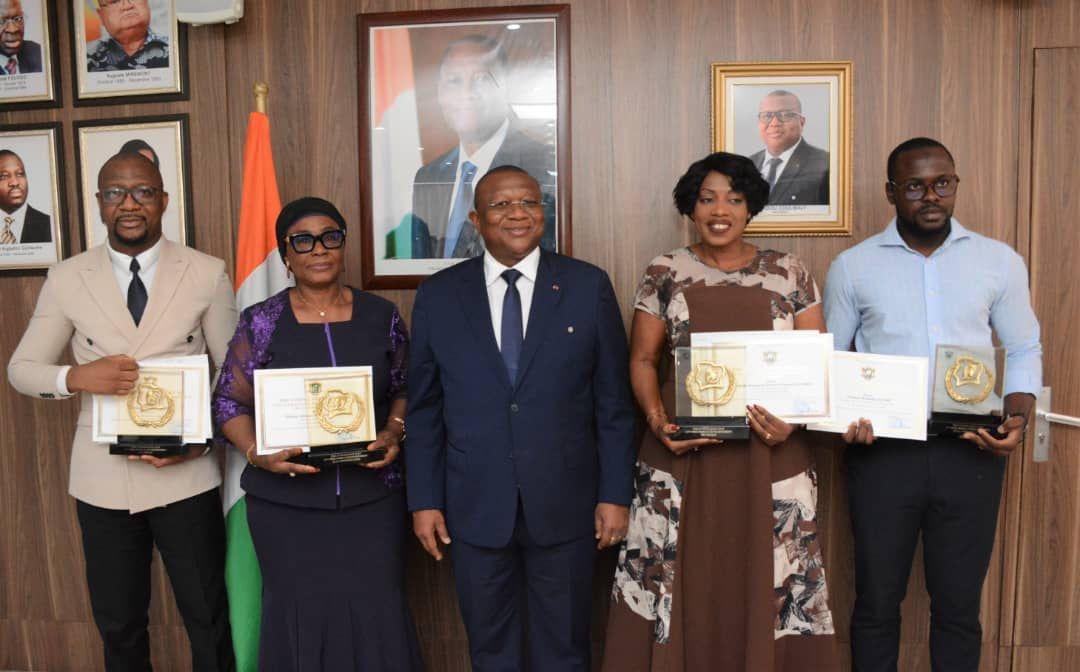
(262, 89)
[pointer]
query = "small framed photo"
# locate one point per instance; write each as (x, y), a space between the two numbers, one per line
(163, 140)
(31, 181)
(793, 119)
(127, 50)
(28, 55)
(445, 96)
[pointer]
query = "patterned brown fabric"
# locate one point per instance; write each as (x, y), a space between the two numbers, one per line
(722, 567)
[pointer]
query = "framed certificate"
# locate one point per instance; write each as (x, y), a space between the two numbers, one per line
(787, 372)
(969, 389)
(330, 412)
(170, 406)
(887, 390)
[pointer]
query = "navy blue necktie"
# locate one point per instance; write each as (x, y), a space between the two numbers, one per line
(512, 333)
(136, 293)
(460, 212)
(774, 165)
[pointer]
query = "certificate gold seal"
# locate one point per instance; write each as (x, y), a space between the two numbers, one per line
(710, 384)
(337, 411)
(149, 404)
(968, 381)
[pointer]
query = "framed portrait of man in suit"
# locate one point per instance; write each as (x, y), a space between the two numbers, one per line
(445, 96)
(793, 120)
(31, 184)
(126, 51)
(28, 61)
(163, 141)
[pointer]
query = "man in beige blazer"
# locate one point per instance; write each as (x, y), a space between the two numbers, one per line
(136, 297)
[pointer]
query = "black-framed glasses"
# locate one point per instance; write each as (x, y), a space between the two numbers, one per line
(302, 243)
(783, 116)
(915, 190)
(16, 21)
(116, 195)
(525, 203)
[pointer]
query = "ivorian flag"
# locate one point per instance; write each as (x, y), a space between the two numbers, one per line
(395, 141)
(260, 274)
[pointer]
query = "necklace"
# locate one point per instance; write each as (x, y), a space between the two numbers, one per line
(320, 310)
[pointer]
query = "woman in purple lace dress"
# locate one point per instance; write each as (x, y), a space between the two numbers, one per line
(330, 542)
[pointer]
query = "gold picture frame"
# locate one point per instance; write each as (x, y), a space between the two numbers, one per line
(810, 194)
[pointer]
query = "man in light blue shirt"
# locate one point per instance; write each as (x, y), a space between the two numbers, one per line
(926, 280)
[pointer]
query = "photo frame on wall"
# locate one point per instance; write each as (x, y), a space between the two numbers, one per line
(28, 55)
(31, 209)
(444, 97)
(126, 51)
(163, 140)
(793, 119)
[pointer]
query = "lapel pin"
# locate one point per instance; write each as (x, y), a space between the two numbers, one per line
(554, 288)
(569, 330)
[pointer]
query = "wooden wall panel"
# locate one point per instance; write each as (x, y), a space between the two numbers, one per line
(640, 94)
(1048, 592)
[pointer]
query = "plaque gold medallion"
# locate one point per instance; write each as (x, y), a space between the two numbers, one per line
(149, 404)
(710, 384)
(967, 373)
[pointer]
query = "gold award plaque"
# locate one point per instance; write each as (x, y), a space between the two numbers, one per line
(710, 384)
(337, 410)
(969, 381)
(154, 406)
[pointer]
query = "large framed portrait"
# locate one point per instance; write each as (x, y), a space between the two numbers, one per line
(127, 50)
(446, 96)
(163, 140)
(31, 181)
(28, 54)
(793, 119)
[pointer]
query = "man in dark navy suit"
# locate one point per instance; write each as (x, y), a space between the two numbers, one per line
(472, 94)
(797, 172)
(17, 55)
(521, 430)
(20, 222)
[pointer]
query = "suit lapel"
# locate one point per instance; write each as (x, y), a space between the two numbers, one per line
(100, 280)
(474, 304)
(167, 276)
(546, 295)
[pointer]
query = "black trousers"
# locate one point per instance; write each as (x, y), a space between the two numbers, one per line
(948, 491)
(190, 535)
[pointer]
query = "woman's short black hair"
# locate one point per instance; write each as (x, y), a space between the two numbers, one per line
(744, 177)
(300, 208)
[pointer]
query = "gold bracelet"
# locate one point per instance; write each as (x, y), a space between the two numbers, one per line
(400, 421)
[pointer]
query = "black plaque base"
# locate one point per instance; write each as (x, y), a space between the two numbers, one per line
(955, 424)
(712, 428)
(345, 453)
(158, 446)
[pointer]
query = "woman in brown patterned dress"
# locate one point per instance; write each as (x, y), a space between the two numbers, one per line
(721, 568)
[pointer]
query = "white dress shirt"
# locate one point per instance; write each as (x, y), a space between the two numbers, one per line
(19, 217)
(481, 159)
(121, 266)
(784, 157)
(496, 289)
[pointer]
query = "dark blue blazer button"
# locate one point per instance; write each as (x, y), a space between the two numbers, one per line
(514, 408)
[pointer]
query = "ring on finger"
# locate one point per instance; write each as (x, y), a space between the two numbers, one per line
(768, 436)
(292, 474)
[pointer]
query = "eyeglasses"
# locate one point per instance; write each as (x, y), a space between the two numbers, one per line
(525, 203)
(783, 116)
(15, 21)
(302, 243)
(915, 190)
(117, 195)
